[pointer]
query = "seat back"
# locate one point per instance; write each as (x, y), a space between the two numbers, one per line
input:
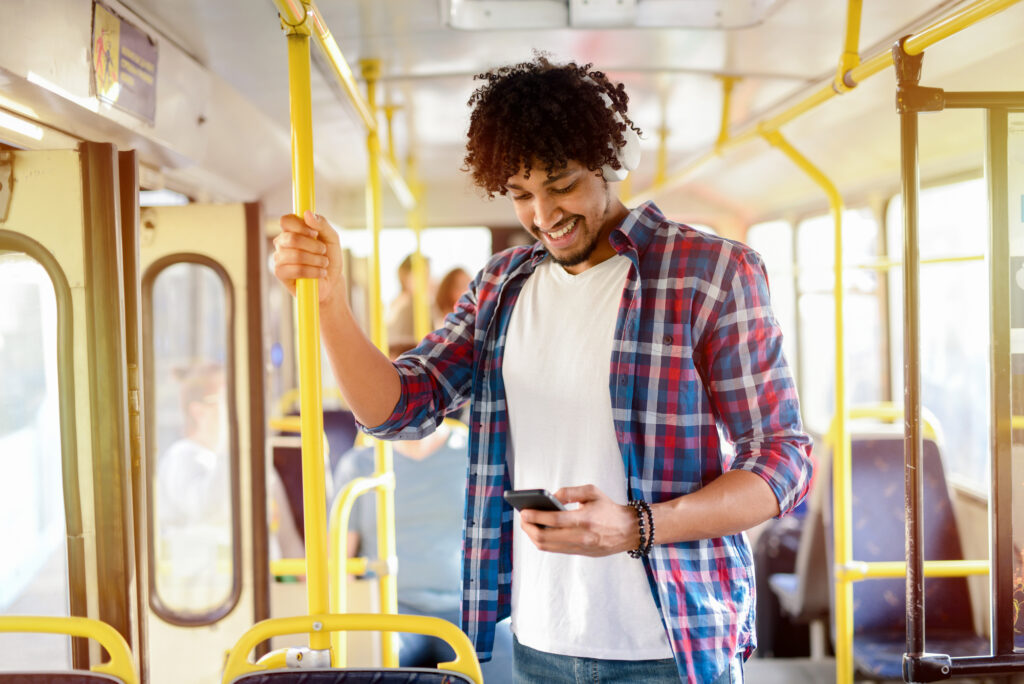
(464, 669)
(812, 586)
(118, 670)
(879, 535)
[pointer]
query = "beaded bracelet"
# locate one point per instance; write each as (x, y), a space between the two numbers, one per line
(650, 527)
(643, 546)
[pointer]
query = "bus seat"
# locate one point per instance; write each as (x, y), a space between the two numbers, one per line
(118, 670)
(803, 594)
(340, 432)
(879, 618)
(464, 669)
(404, 675)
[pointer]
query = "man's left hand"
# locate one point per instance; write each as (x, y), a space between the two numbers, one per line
(599, 527)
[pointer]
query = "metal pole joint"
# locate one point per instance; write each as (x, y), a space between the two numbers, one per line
(911, 97)
(927, 667)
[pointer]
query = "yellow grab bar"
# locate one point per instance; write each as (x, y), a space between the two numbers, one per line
(936, 32)
(858, 570)
(238, 658)
(120, 663)
(308, 302)
(341, 512)
(304, 12)
(884, 411)
(843, 543)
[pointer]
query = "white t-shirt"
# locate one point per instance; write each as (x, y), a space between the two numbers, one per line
(556, 373)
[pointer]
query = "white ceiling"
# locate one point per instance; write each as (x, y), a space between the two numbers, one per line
(669, 74)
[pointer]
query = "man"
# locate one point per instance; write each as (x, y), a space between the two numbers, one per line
(600, 362)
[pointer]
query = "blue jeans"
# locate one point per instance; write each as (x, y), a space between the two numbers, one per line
(536, 667)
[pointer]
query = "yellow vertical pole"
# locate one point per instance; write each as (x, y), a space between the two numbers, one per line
(384, 461)
(308, 302)
(420, 304)
(661, 170)
(841, 498)
(723, 126)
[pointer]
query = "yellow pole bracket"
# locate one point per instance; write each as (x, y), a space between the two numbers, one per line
(850, 57)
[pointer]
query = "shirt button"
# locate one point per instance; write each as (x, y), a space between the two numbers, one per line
(668, 339)
(622, 380)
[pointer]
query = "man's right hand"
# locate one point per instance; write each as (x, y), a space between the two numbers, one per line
(309, 249)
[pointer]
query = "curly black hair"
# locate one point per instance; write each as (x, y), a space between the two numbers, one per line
(542, 115)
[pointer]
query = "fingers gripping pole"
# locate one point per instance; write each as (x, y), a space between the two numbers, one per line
(310, 401)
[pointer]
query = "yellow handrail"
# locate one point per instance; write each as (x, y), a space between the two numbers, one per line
(305, 12)
(858, 570)
(388, 584)
(843, 538)
(120, 663)
(888, 412)
(341, 512)
(238, 658)
(934, 33)
(308, 301)
(420, 304)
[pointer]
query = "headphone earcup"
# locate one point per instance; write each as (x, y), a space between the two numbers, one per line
(628, 156)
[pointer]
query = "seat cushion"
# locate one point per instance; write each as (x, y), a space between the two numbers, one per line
(881, 655)
(58, 678)
(398, 675)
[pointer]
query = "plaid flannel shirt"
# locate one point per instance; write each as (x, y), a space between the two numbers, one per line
(697, 348)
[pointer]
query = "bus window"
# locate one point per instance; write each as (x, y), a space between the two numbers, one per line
(774, 242)
(192, 514)
(953, 222)
(33, 549)
(816, 306)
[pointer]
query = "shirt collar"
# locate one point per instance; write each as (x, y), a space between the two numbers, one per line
(637, 230)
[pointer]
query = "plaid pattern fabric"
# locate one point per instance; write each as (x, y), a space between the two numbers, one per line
(697, 350)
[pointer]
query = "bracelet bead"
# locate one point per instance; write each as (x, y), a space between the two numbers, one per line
(642, 511)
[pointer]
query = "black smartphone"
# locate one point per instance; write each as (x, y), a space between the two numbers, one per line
(537, 499)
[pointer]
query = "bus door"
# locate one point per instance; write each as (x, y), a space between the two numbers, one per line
(67, 544)
(203, 339)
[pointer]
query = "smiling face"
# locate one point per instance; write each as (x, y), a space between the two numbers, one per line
(572, 211)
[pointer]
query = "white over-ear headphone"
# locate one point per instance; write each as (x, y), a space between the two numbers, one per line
(628, 155)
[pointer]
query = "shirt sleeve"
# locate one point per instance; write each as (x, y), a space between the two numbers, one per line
(751, 385)
(436, 375)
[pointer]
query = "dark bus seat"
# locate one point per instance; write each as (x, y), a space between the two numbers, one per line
(340, 429)
(803, 594)
(58, 678)
(878, 535)
(406, 675)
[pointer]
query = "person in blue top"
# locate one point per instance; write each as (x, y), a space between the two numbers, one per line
(430, 496)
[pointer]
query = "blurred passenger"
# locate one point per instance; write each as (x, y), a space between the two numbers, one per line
(399, 318)
(193, 497)
(452, 286)
(192, 475)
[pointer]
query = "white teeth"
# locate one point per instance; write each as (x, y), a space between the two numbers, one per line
(563, 232)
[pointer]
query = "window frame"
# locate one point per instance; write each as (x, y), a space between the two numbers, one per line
(149, 278)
